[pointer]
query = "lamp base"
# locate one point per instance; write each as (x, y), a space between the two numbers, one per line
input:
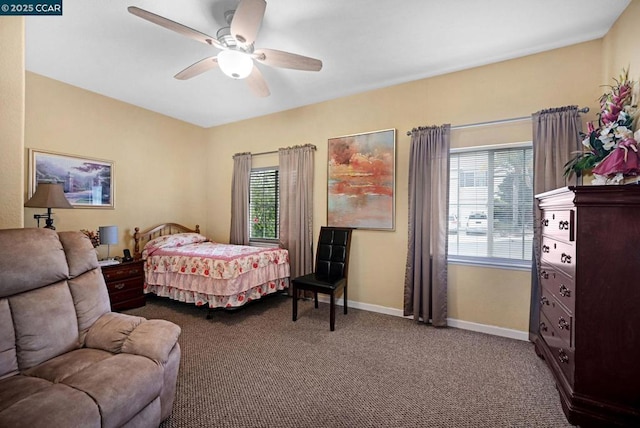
(48, 219)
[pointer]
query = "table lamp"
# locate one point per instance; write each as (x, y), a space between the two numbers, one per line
(108, 236)
(48, 195)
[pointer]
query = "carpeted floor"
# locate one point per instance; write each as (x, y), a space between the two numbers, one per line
(254, 367)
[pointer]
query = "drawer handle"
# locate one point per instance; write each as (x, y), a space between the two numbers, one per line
(564, 291)
(563, 225)
(563, 357)
(543, 326)
(545, 222)
(565, 258)
(133, 271)
(119, 286)
(544, 301)
(544, 274)
(563, 324)
(545, 248)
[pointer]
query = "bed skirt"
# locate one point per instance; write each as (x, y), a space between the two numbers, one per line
(218, 301)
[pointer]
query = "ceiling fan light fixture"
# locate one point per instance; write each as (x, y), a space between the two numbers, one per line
(235, 64)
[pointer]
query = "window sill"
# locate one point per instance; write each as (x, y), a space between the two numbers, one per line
(265, 243)
(522, 265)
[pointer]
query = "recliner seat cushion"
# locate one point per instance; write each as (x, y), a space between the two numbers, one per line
(16, 388)
(121, 386)
(61, 367)
(54, 406)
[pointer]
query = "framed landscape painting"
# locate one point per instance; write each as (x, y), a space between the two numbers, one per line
(361, 180)
(88, 183)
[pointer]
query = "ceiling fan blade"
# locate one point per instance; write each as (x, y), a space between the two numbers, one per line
(282, 59)
(197, 68)
(257, 84)
(174, 26)
(247, 20)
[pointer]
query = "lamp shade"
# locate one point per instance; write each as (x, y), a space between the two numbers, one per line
(48, 195)
(235, 64)
(108, 235)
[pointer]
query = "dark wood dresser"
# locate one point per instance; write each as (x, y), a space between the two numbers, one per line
(125, 282)
(590, 301)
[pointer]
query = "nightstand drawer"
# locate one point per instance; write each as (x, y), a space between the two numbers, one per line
(125, 284)
(123, 271)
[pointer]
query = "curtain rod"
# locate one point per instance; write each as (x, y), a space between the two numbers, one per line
(495, 122)
(264, 153)
(275, 151)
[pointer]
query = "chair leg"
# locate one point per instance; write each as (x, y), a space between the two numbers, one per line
(344, 296)
(315, 298)
(332, 312)
(295, 302)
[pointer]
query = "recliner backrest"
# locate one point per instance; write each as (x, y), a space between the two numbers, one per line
(51, 292)
(332, 257)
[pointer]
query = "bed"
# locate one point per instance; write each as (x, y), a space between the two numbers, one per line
(184, 265)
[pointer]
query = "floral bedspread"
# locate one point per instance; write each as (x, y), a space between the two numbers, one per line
(189, 268)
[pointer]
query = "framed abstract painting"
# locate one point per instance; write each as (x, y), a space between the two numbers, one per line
(361, 180)
(88, 183)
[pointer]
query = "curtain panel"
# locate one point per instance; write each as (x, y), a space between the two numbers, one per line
(239, 234)
(556, 137)
(425, 288)
(296, 206)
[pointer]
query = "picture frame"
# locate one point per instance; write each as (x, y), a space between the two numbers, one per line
(88, 182)
(361, 180)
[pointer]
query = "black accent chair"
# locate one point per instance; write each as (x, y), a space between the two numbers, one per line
(332, 269)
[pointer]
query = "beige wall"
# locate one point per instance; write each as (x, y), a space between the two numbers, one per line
(159, 166)
(504, 90)
(11, 120)
(161, 173)
(620, 46)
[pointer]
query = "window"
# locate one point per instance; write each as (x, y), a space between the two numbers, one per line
(491, 196)
(264, 204)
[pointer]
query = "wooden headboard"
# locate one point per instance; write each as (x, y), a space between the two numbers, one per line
(159, 230)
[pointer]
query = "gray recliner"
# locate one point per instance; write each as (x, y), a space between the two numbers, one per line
(66, 360)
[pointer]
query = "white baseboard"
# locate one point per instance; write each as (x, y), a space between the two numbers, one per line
(489, 329)
(451, 322)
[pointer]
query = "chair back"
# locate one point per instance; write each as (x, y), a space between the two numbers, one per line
(332, 257)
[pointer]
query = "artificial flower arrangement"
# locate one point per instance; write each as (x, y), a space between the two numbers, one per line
(93, 235)
(611, 148)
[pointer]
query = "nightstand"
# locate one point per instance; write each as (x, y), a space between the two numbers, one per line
(125, 282)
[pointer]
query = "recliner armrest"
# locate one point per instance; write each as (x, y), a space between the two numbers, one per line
(115, 332)
(153, 339)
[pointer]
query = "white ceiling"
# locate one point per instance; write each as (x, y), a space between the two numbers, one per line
(364, 44)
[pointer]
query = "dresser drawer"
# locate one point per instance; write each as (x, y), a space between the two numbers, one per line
(560, 255)
(562, 287)
(123, 271)
(559, 318)
(559, 224)
(563, 356)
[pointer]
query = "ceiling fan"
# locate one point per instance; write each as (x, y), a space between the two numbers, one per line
(236, 45)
